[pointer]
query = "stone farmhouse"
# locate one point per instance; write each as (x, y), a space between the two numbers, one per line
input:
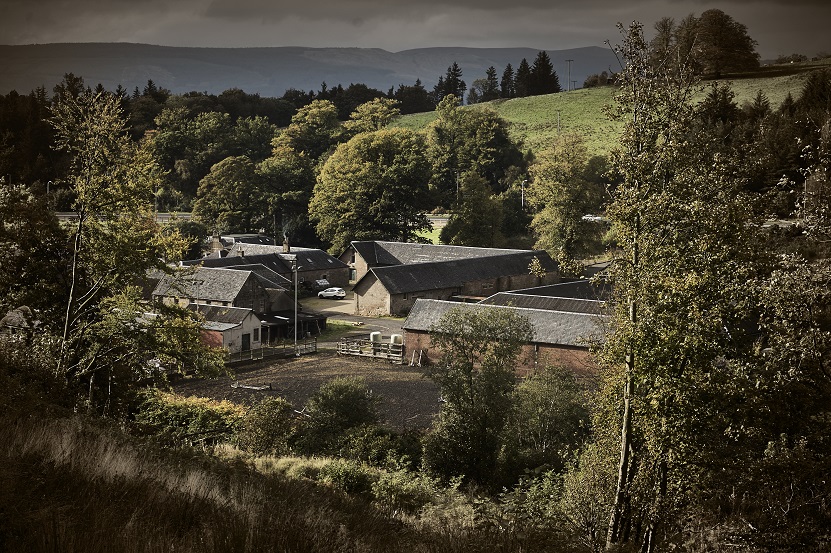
(257, 296)
(391, 276)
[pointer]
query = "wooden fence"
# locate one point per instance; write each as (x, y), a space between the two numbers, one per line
(283, 349)
(394, 353)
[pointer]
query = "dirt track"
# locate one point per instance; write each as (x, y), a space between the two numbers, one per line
(408, 400)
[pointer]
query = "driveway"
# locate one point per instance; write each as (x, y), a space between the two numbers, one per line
(343, 311)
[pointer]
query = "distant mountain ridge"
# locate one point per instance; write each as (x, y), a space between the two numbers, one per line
(268, 71)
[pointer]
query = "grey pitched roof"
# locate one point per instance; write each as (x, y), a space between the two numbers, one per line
(308, 259)
(550, 327)
(205, 283)
(269, 260)
(247, 239)
(405, 253)
(579, 289)
(220, 314)
(547, 303)
(403, 279)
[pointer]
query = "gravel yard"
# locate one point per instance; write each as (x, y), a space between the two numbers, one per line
(408, 400)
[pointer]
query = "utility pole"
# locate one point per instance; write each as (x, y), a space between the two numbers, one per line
(569, 75)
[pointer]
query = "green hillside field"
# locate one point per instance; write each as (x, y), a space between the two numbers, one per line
(536, 120)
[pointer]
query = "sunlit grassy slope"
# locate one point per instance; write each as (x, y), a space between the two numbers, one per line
(537, 120)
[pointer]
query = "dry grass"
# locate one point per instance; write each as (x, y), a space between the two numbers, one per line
(74, 485)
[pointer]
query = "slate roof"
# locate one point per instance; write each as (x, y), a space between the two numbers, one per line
(403, 279)
(270, 261)
(309, 259)
(221, 314)
(579, 289)
(547, 303)
(206, 283)
(380, 253)
(550, 327)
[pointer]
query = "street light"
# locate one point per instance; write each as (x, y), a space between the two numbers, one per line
(294, 268)
(523, 193)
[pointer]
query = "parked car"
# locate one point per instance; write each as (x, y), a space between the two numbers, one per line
(338, 293)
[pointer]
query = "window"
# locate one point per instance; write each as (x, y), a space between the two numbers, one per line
(256, 334)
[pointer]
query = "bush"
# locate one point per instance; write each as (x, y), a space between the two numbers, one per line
(179, 420)
(406, 491)
(350, 476)
(338, 406)
(266, 427)
(380, 447)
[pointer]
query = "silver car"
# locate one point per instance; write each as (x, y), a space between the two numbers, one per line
(338, 293)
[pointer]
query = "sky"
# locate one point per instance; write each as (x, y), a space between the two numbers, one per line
(779, 26)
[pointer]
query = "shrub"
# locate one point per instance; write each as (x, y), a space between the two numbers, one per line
(405, 490)
(266, 427)
(350, 476)
(179, 420)
(338, 406)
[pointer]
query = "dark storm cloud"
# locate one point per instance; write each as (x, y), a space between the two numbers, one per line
(778, 26)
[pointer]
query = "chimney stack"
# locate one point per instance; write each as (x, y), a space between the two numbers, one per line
(286, 246)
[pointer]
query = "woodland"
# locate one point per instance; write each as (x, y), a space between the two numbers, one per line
(705, 428)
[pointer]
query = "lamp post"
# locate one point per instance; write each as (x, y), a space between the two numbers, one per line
(294, 267)
(522, 196)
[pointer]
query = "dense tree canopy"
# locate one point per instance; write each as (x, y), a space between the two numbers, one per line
(373, 187)
(563, 195)
(465, 139)
(475, 217)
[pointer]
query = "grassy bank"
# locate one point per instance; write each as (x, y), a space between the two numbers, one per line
(81, 486)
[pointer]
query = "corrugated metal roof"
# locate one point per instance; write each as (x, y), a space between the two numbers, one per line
(579, 289)
(221, 314)
(550, 327)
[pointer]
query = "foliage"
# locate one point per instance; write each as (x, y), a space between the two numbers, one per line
(350, 476)
(476, 216)
(543, 79)
(230, 198)
(288, 179)
(563, 195)
(372, 116)
(267, 427)
(722, 44)
(548, 421)
(178, 420)
(406, 491)
(682, 296)
(27, 377)
(479, 351)
(33, 271)
(314, 130)
(462, 140)
(339, 405)
(373, 187)
(107, 344)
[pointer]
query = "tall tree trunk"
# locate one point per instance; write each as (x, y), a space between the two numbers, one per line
(76, 250)
(615, 534)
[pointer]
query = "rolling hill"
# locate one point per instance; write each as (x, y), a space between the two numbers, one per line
(267, 71)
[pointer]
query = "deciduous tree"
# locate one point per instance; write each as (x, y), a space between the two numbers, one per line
(374, 187)
(107, 343)
(480, 349)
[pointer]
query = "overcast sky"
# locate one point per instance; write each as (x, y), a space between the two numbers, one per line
(779, 26)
